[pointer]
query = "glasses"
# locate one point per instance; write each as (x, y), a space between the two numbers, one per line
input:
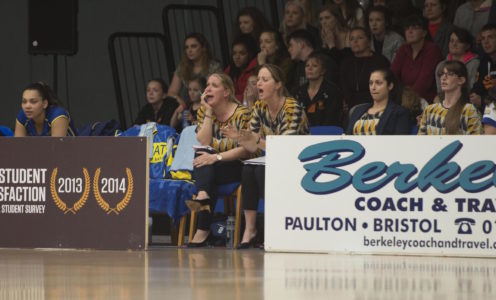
(448, 74)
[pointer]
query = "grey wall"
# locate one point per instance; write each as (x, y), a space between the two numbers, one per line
(90, 84)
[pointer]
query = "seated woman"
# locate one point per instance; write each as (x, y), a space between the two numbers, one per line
(274, 114)
(160, 108)
(251, 92)
(188, 116)
(489, 118)
(460, 45)
(244, 62)
(294, 19)
(219, 109)
(273, 51)
(41, 114)
(335, 33)
(454, 114)
(321, 98)
(384, 40)
(383, 116)
(196, 60)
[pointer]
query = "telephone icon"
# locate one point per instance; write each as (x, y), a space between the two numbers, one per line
(465, 225)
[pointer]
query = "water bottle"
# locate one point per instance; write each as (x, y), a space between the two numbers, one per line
(185, 122)
(230, 232)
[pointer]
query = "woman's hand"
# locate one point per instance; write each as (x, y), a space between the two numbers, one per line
(230, 131)
(248, 140)
(262, 57)
(204, 103)
(328, 38)
(204, 159)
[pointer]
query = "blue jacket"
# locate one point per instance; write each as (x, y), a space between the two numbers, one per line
(394, 121)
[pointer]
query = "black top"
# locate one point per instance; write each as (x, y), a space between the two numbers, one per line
(326, 108)
(394, 121)
(163, 116)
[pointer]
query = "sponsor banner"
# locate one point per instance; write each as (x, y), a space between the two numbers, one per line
(85, 192)
(390, 195)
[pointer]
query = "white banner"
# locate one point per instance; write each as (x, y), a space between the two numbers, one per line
(392, 195)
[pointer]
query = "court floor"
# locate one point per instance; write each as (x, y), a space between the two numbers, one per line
(171, 273)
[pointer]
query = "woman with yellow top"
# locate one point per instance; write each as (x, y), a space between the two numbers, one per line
(383, 116)
(453, 114)
(273, 114)
(220, 165)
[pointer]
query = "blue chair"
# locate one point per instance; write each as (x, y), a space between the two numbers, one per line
(6, 131)
(326, 130)
(414, 130)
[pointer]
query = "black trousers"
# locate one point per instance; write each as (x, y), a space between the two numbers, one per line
(253, 182)
(207, 179)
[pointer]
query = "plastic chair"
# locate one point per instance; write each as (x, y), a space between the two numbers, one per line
(326, 130)
(6, 131)
(414, 130)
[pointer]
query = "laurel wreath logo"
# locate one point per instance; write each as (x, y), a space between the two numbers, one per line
(123, 203)
(82, 200)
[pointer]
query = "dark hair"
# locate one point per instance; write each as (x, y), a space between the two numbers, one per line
(45, 92)
(162, 83)
(186, 66)
(251, 47)
(364, 30)
(487, 27)
(416, 21)
(281, 52)
(394, 94)
(463, 35)
(324, 59)
(382, 10)
(335, 11)
(452, 124)
(201, 80)
(444, 7)
(304, 36)
(260, 22)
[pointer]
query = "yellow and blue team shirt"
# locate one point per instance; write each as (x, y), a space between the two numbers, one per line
(434, 120)
(367, 123)
(239, 119)
(489, 117)
(52, 113)
(290, 120)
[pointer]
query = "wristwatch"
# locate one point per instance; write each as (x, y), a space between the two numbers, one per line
(219, 157)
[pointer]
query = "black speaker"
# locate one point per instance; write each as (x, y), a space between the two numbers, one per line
(52, 27)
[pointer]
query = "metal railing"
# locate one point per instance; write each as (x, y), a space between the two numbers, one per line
(136, 58)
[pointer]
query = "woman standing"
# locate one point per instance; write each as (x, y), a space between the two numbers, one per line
(453, 114)
(41, 114)
(219, 109)
(383, 116)
(273, 114)
(196, 60)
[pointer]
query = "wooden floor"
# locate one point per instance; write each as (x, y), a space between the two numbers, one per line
(171, 273)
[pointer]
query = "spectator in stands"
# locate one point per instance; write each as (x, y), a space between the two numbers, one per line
(384, 40)
(196, 59)
(320, 97)
(220, 108)
(274, 114)
(41, 114)
(196, 86)
(301, 45)
(460, 45)
(454, 114)
(311, 11)
(160, 108)
(294, 19)
(352, 12)
(400, 10)
(489, 118)
(273, 51)
(244, 62)
(252, 21)
(474, 14)
(416, 61)
(335, 33)
(383, 116)
(439, 27)
(355, 70)
(486, 74)
(251, 92)
(415, 105)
